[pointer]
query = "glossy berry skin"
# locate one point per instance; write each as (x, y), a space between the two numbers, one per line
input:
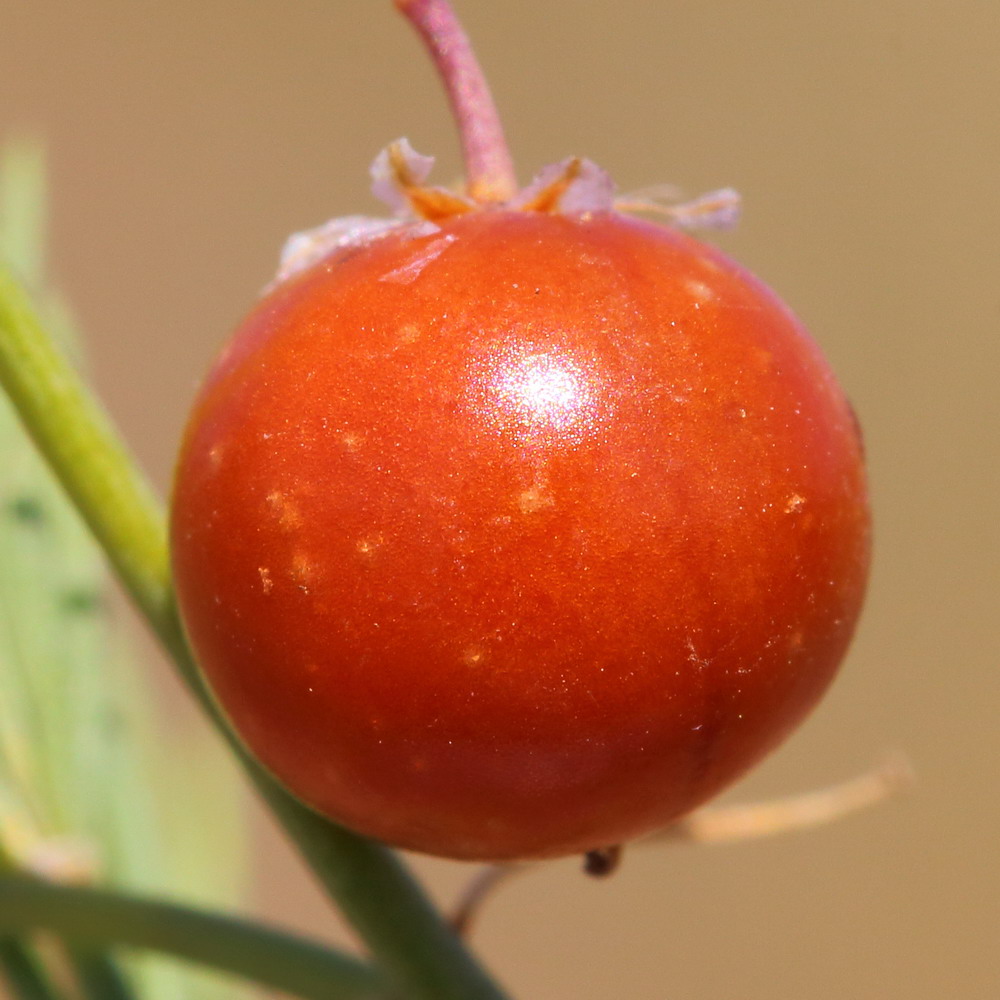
(519, 538)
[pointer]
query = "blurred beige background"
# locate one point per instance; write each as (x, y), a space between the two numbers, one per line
(188, 138)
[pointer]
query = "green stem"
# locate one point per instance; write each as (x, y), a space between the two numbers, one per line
(22, 972)
(77, 439)
(375, 891)
(88, 918)
(391, 913)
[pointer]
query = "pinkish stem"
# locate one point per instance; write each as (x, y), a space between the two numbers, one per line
(488, 167)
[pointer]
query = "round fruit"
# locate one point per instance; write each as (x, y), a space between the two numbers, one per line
(519, 533)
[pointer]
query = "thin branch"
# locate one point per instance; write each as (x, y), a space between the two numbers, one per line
(726, 824)
(478, 889)
(716, 825)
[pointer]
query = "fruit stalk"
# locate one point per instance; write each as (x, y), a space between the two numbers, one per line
(489, 169)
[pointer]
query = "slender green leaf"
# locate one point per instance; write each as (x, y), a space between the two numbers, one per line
(283, 961)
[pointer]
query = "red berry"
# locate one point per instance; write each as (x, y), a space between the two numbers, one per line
(519, 535)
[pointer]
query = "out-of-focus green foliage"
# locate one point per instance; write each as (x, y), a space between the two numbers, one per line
(93, 785)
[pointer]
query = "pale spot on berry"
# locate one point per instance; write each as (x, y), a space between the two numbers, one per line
(369, 545)
(303, 571)
(701, 662)
(473, 656)
(407, 334)
(534, 499)
(794, 503)
(699, 291)
(265, 579)
(283, 507)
